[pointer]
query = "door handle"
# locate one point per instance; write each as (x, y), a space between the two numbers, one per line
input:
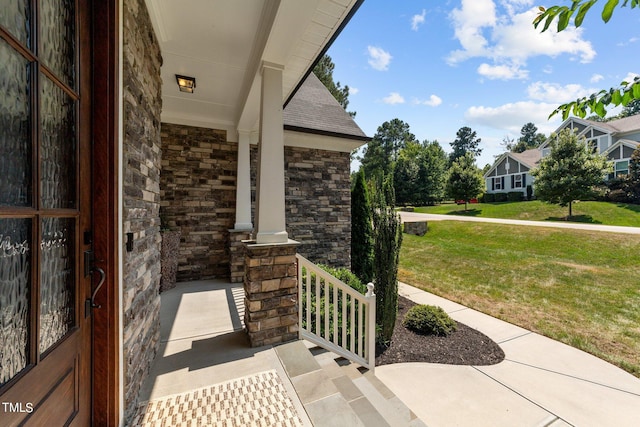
(103, 276)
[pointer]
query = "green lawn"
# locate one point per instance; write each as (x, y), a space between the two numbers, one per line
(588, 212)
(575, 286)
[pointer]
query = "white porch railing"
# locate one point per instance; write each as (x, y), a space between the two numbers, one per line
(335, 316)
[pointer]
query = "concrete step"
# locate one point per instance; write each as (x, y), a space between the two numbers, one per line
(372, 402)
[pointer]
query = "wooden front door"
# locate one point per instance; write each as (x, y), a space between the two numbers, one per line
(45, 213)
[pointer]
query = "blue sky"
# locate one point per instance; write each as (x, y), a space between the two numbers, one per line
(440, 65)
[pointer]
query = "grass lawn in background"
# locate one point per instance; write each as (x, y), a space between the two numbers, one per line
(588, 212)
(575, 286)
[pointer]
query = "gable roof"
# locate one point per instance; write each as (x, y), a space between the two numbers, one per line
(626, 124)
(530, 158)
(313, 109)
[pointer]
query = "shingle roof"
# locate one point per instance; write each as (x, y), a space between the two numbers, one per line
(624, 125)
(528, 157)
(315, 110)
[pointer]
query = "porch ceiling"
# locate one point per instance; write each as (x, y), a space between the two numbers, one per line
(222, 43)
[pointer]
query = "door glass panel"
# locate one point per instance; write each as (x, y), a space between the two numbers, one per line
(58, 147)
(57, 280)
(15, 138)
(57, 38)
(15, 278)
(14, 16)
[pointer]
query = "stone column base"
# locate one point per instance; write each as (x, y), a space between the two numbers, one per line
(271, 293)
(236, 253)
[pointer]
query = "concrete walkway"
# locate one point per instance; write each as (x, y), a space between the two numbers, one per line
(414, 216)
(541, 382)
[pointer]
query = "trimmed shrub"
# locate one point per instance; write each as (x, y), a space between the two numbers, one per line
(345, 275)
(529, 192)
(618, 196)
(429, 320)
(488, 198)
(501, 197)
(515, 196)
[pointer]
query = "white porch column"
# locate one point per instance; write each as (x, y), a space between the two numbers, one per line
(243, 183)
(270, 207)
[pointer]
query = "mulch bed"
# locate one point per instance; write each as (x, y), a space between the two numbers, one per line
(465, 346)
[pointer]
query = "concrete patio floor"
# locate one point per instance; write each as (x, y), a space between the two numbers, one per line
(203, 343)
(541, 382)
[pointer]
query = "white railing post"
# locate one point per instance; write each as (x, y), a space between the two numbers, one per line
(371, 326)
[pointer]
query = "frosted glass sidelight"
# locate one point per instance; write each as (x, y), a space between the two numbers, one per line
(15, 128)
(58, 147)
(15, 281)
(57, 280)
(57, 38)
(14, 16)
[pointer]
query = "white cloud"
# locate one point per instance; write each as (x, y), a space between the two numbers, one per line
(502, 72)
(596, 78)
(548, 69)
(631, 40)
(630, 77)
(393, 98)
(379, 59)
(557, 94)
(353, 90)
(418, 20)
(433, 101)
(508, 38)
(511, 117)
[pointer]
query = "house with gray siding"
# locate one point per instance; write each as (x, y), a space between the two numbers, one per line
(616, 140)
(511, 172)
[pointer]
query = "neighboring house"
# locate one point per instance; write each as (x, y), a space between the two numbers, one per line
(96, 139)
(511, 172)
(616, 140)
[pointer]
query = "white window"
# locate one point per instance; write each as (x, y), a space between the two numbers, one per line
(622, 168)
(517, 182)
(497, 183)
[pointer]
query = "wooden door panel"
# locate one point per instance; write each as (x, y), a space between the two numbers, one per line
(47, 394)
(45, 213)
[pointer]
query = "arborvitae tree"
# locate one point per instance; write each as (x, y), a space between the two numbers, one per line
(361, 231)
(387, 242)
(571, 171)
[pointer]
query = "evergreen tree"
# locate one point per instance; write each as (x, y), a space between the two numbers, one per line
(571, 171)
(466, 141)
(406, 174)
(464, 181)
(361, 230)
(432, 174)
(382, 151)
(631, 109)
(324, 71)
(387, 242)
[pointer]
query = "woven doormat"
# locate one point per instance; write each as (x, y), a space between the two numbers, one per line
(258, 400)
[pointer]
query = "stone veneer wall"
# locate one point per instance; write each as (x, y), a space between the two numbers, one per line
(198, 193)
(318, 204)
(198, 197)
(141, 121)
